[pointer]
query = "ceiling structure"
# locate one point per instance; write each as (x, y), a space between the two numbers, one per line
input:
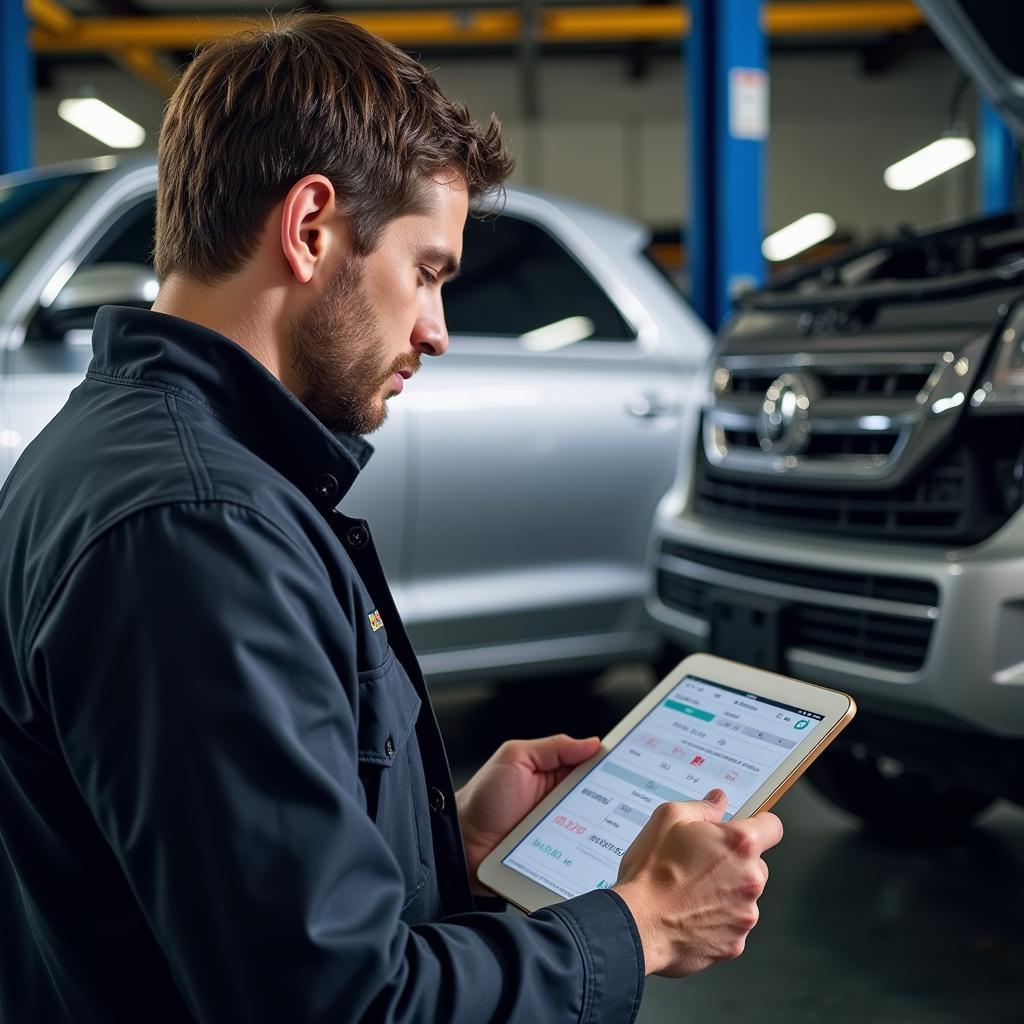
(153, 39)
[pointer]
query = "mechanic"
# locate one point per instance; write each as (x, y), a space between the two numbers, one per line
(224, 793)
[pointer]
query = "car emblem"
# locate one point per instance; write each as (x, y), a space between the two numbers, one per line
(783, 425)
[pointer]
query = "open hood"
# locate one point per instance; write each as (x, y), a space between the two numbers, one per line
(986, 37)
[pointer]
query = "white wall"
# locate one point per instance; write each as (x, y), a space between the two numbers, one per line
(56, 141)
(834, 131)
(621, 143)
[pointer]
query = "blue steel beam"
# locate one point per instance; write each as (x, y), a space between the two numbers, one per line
(999, 156)
(726, 57)
(15, 88)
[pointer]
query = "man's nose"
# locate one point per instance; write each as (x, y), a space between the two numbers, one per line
(430, 336)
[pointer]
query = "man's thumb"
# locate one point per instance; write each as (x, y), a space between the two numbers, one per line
(560, 751)
(576, 750)
(714, 805)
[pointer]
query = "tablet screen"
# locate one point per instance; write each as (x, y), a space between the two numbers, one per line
(701, 737)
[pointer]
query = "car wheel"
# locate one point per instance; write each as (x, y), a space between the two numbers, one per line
(892, 799)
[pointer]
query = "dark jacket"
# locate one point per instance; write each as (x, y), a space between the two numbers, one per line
(223, 793)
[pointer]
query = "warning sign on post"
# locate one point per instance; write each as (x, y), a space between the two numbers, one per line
(748, 103)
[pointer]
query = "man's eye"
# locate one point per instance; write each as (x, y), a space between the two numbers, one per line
(428, 276)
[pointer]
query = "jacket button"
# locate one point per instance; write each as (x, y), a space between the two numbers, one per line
(357, 537)
(326, 486)
(389, 747)
(436, 798)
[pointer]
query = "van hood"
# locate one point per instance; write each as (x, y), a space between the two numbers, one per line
(985, 37)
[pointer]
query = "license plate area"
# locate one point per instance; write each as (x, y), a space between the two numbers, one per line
(747, 628)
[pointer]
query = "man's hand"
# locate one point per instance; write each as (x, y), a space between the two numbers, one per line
(692, 883)
(517, 776)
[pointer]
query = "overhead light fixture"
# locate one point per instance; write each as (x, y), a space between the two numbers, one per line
(809, 230)
(936, 158)
(103, 122)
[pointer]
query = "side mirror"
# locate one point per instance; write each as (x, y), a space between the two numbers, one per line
(104, 284)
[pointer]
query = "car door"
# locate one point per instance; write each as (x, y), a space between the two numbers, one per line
(540, 445)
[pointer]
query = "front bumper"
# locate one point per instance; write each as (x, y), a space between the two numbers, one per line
(930, 633)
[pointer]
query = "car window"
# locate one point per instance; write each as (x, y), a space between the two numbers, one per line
(131, 238)
(126, 249)
(27, 209)
(518, 281)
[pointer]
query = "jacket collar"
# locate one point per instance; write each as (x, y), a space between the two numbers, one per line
(178, 356)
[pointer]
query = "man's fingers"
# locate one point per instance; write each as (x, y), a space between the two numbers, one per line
(711, 808)
(762, 831)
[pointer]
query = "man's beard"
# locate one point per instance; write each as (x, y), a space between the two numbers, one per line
(336, 353)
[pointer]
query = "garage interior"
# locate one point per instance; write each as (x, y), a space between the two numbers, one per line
(726, 128)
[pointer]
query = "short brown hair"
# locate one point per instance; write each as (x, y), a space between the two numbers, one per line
(315, 94)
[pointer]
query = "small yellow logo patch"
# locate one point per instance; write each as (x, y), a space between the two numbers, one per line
(376, 622)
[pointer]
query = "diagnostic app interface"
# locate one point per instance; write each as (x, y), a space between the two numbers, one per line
(703, 736)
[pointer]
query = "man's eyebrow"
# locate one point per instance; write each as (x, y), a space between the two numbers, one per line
(450, 267)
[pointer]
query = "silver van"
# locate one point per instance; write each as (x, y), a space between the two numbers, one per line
(849, 506)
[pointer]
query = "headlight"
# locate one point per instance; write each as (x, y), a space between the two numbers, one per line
(1001, 388)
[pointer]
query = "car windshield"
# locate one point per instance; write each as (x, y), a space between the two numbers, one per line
(27, 209)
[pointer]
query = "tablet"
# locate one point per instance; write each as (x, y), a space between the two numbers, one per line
(709, 724)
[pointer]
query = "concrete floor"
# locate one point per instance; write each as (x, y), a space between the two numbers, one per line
(853, 928)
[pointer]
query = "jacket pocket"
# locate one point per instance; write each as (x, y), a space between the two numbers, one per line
(390, 768)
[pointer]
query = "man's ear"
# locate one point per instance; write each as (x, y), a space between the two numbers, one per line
(310, 225)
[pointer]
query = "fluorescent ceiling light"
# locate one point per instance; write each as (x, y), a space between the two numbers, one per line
(560, 334)
(103, 122)
(936, 158)
(809, 230)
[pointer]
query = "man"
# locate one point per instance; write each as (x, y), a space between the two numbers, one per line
(224, 794)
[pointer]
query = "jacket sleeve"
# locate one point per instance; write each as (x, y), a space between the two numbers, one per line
(191, 659)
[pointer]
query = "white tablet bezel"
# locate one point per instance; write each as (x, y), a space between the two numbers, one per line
(836, 709)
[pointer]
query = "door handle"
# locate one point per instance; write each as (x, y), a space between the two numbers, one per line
(650, 406)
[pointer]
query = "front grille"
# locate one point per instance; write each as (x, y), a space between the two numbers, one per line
(845, 417)
(827, 445)
(961, 496)
(883, 588)
(861, 636)
(932, 508)
(887, 641)
(895, 384)
(690, 596)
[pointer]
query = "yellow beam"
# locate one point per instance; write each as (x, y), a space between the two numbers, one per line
(421, 28)
(185, 33)
(50, 17)
(839, 18)
(600, 24)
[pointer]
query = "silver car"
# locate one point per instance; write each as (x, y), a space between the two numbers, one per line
(514, 483)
